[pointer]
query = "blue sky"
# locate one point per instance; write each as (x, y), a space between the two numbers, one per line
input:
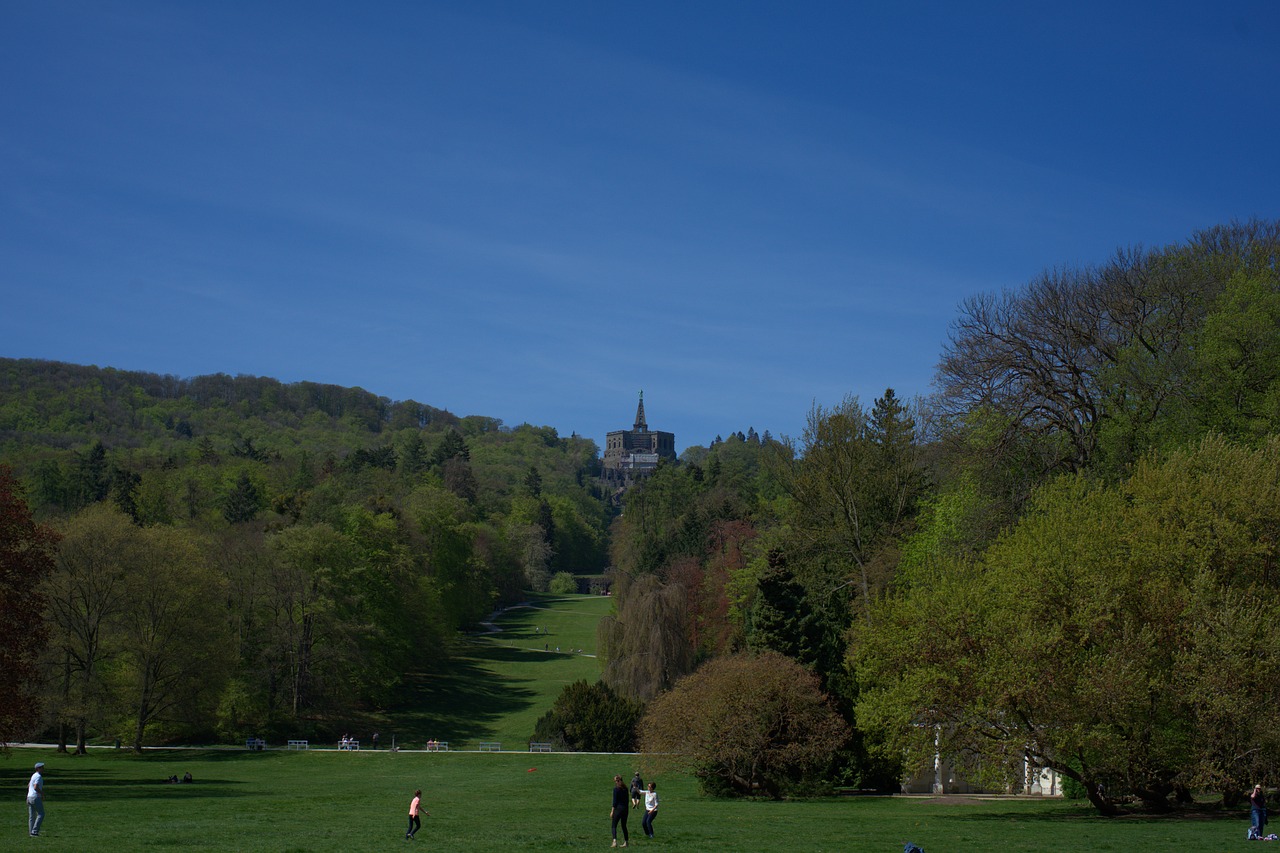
(533, 210)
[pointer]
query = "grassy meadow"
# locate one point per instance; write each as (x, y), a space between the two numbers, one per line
(356, 801)
(500, 683)
(330, 800)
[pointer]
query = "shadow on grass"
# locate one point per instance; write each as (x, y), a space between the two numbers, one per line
(1086, 814)
(79, 785)
(461, 702)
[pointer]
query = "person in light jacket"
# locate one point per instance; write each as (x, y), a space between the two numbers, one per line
(35, 800)
(650, 809)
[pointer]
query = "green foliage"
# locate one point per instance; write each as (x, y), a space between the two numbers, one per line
(243, 500)
(1091, 368)
(590, 718)
(1238, 358)
(354, 535)
(853, 484)
(564, 583)
(1117, 634)
(781, 618)
(754, 724)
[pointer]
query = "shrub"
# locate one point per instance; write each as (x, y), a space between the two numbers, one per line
(746, 724)
(564, 583)
(590, 718)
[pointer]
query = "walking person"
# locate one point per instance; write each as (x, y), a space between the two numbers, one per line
(618, 813)
(1257, 809)
(415, 822)
(650, 809)
(637, 790)
(35, 800)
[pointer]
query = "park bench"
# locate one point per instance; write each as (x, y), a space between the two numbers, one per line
(256, 744)
(537, 746)
(298, 744)
(437, 746)
(350, 744)
(490, 746)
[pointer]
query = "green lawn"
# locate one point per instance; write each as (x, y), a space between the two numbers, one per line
(494, 690)
(356, 801)
(497, 685)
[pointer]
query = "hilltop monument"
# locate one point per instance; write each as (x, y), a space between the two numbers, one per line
(630, 454)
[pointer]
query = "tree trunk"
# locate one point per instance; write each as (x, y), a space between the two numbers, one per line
(1105, 807)
(1155, 797)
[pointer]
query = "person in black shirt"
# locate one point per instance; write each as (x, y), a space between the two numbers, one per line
(618, 813)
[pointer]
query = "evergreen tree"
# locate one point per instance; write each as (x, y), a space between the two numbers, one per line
(781, 619)
(533, 482)
(124, 491)
(452, 446)
(50, 485)
(91, 480)
(243, 501)
(413, 456)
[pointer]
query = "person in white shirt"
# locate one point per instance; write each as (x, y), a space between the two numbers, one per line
(650, 809)
(35, 799)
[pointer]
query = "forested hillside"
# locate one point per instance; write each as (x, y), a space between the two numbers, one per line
(240, 555)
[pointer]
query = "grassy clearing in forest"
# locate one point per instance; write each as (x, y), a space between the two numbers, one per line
(496, 685)
(347, 802)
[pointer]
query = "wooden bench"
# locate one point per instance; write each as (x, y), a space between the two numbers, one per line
(490, 746)
(297, 744)
(256, 744)
(539, 747)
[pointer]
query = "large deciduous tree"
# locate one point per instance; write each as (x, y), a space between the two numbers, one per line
(175, 655)
(26, 560)
(87, 594)
(1095, 365)
(1124, 636)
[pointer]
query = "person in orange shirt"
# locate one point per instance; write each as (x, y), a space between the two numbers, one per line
(415, 822)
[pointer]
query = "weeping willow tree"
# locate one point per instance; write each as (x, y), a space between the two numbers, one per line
(646, 644)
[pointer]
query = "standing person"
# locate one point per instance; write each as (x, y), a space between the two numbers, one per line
(618, 813)
(637, 790)
(415, 822)
(1257, 809)
(35, 800)
(650, 809)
